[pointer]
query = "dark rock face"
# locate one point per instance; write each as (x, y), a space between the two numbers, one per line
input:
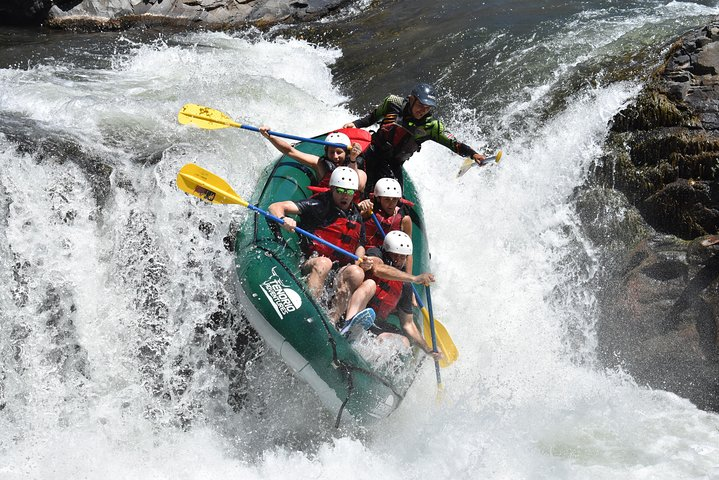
(22, 12)
(664, 149)
(660, 299)
(119, 14)
(660, 319)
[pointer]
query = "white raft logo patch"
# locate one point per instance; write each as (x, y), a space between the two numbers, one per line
(282, 298)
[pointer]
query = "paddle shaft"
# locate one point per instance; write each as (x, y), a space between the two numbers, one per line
(434, 334)
(414, 289)
(487, 160)
(304, 232)
(207, 114)
(295, 137)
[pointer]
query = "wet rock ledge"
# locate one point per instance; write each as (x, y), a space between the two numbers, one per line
(119, 14)
(653, 206)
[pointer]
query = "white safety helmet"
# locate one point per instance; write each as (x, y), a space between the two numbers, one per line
(344, 177)
(397, 241)
(338, 137)
(387, 187)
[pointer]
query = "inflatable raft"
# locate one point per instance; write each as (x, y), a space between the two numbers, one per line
(277, 303)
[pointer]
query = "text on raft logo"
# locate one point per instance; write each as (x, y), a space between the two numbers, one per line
(282, 298)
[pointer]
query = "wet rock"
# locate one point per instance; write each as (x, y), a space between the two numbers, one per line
(663, 150)
(610, 221)
(22, 12)
(120, 14)
(661, 316)
(34, 139)
(659, 299)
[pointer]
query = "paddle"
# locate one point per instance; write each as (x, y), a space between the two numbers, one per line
(441, 337)
(207, 186)
(434, 339)
(211, 119)
(469, 163)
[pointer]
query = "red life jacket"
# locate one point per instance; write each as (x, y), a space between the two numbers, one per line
(344, 233)
(394, 142)
(357, 135)
(389, 224)
(386, 296)
(324, 182)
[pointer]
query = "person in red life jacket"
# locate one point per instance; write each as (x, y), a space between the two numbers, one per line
(386, 291)
(405, 123)
(333, 217)
(389, 212)
(332, 158)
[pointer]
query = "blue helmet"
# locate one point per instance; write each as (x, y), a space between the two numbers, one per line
(425, 94)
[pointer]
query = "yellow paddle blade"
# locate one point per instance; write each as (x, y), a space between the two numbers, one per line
(203, 184)
(205, 117)
(466, 165)
(469, 163)
(444, 341)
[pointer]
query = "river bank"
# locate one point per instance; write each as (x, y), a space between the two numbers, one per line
(102, 15)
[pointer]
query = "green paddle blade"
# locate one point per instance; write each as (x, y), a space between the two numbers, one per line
(205, 117)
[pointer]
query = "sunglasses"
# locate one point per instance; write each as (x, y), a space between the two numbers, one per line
(344, 191)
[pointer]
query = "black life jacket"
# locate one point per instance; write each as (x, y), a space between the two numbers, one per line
(329, 166)
(395, 141)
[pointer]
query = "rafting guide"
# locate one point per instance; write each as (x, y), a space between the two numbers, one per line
(405, 123)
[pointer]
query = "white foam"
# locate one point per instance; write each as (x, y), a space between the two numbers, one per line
(511, 284)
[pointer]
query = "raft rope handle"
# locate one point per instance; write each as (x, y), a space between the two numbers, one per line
(350, 387)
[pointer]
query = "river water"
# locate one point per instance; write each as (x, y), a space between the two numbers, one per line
(122, 353)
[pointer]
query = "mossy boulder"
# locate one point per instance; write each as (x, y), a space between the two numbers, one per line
(659, 289)
(663, 149)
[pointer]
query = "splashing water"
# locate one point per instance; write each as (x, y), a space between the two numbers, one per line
(124, 353)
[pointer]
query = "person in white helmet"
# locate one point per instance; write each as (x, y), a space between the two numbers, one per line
(333, 157)
(390, 213)
(386, 290)
(333, 217)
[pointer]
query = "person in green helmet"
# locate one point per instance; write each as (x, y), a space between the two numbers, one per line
(405, 123)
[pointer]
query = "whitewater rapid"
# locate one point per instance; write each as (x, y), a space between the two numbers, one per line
(114, 278)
